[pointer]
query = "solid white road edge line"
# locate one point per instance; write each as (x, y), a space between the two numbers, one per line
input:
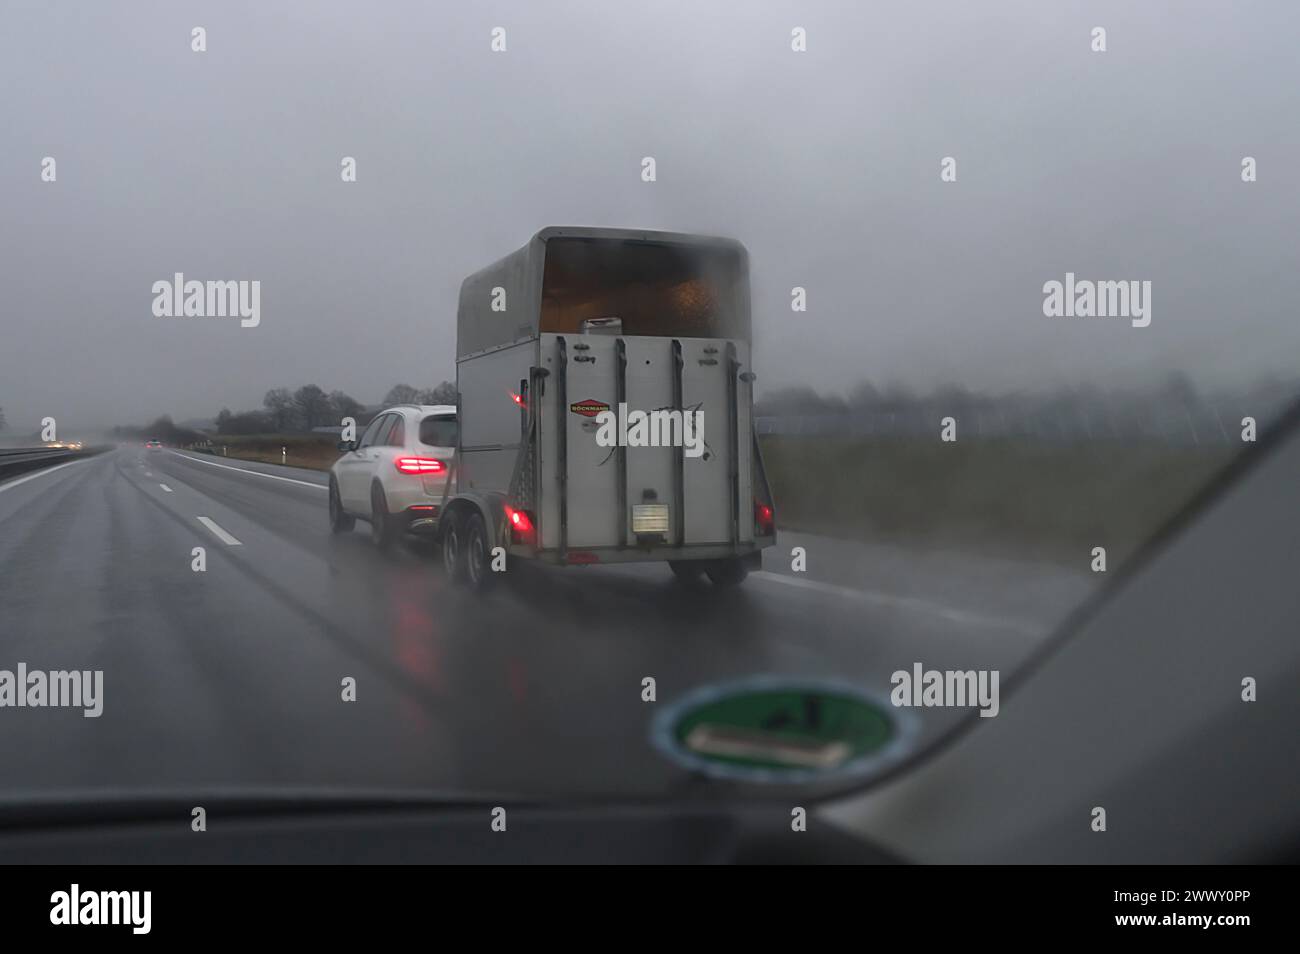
(252, 473)
(40, 473)
(908, 602)
(889, 599)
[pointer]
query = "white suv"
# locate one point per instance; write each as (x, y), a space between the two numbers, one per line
(396, 475)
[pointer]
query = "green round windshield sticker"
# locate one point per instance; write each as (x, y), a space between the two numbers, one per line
(779, 729)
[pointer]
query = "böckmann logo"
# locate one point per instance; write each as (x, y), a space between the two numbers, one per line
(588, 408)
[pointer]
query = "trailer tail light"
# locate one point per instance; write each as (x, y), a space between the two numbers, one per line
(521, 526)
(420, 465)
(763, 520)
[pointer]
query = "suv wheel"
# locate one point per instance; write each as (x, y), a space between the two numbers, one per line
(385, 528)
(340, 522)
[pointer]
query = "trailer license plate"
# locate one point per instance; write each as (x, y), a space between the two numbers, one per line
(650, 518)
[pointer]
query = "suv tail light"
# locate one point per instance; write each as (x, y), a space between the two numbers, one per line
(763, 519)
(420, 465)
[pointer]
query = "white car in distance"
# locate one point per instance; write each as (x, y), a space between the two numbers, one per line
(395, 475)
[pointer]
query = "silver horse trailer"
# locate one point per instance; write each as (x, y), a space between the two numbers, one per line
(605, 400)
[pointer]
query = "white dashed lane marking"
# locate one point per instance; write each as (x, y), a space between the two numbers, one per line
(218, 532)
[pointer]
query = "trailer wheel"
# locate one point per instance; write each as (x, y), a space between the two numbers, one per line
(478, 555)
(687, 571)
(453, 547)
(728, 572)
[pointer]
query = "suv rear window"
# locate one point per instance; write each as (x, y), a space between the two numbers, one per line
(438, 430)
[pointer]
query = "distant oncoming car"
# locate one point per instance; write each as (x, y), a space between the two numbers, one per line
(395, 476)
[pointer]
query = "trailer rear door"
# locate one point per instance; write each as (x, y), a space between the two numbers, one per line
(681, 492)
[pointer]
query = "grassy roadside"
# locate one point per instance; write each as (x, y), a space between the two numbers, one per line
(1043, 501)
(1051, 502)
(301, 450)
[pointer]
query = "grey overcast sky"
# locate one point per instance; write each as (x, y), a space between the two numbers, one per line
(225, 165)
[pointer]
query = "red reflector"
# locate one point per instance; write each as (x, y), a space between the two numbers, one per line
(521, 525)
(762, 517)
(419, 465)
(583, 556)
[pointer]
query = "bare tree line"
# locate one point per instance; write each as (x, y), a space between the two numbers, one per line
(310, 406)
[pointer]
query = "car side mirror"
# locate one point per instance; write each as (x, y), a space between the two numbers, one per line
(347, 446)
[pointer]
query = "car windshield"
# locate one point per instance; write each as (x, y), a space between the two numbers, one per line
(783, 378)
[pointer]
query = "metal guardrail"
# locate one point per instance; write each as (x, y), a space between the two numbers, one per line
(18, 460)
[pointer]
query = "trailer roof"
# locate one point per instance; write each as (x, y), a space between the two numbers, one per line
(520, 274)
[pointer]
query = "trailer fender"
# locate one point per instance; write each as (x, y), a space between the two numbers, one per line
(490, 505)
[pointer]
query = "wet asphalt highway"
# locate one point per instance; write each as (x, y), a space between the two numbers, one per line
(231, 678)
